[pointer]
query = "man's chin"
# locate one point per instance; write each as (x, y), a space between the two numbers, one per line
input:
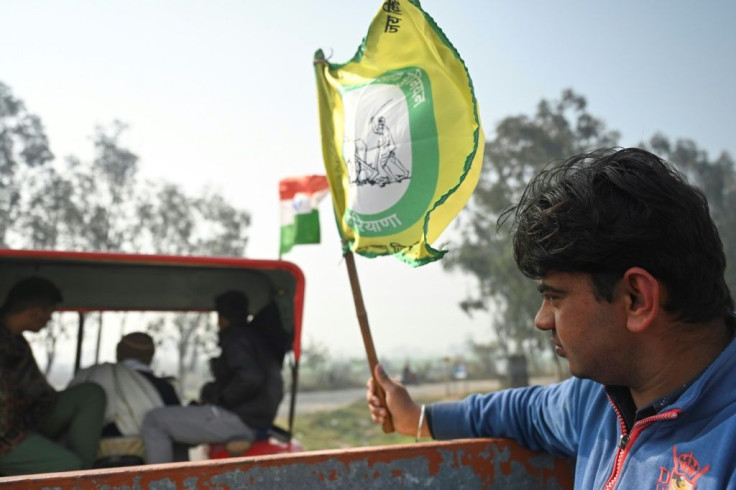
(578, 373)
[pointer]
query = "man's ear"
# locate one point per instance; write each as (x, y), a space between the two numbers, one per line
(642, 292)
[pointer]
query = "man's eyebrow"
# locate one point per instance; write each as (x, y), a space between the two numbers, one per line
(546, 288)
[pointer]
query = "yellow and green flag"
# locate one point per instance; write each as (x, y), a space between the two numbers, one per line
(401, 135)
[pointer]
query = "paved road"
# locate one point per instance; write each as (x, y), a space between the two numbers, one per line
(316, 401)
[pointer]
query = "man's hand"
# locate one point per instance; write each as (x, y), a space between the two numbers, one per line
(404, 412)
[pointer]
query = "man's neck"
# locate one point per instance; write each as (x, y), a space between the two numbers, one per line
(679, 361)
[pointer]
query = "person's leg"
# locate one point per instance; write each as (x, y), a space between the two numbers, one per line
(79, 412)
(180, 452)
(191, 425)
(37, 454)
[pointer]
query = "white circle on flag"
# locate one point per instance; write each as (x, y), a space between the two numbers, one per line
(376, 147)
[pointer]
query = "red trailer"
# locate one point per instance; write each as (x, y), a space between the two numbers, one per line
(99, 282)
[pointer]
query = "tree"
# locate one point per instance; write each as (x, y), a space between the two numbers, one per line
(109, 187)
(316, 359)
(717, 180)
(50, 218)
(224, 228)
(191, 339)
(83, 205)
(23, 145)
(171, 222)
(484, 355)
(520, 147)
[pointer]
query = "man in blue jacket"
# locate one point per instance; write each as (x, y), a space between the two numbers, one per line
(630, 268)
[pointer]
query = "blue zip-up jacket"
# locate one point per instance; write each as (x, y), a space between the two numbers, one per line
(690, 443)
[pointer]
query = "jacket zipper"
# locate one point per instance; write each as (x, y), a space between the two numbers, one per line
(626, 440)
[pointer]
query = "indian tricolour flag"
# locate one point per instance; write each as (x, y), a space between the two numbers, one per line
(300, 197)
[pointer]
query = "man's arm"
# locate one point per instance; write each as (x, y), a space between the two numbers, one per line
(540, 418)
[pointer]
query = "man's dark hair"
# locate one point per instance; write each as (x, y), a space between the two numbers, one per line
(29, 293)
(606, 211)
(232, 305)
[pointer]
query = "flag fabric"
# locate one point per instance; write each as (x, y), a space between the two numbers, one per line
(401, 136)
(300, 197)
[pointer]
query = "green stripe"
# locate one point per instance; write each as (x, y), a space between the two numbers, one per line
(304, 230)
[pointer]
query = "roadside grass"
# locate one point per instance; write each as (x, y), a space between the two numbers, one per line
(346, 427)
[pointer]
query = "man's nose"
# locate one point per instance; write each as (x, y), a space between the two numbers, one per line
(545, 318)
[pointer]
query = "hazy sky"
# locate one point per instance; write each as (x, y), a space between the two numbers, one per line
(222, 93)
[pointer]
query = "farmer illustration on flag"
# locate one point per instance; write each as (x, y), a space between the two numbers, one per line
(393, 170)
(376, 163)
(401, 137)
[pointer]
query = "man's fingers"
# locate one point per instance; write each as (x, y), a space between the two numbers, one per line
(371, 394)
(378, 414)
(376, 405)
(370, 390)
(373, 400)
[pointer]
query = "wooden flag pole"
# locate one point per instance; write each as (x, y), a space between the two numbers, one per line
(365, 330)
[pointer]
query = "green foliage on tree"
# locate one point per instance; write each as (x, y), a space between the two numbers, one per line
(23, 145)
(717, 179)
(519, 148)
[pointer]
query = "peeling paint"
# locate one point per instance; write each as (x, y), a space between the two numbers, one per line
(191, 483)
(164, 484)
(494, 464)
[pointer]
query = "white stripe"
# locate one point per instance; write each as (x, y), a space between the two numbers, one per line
(287, 213)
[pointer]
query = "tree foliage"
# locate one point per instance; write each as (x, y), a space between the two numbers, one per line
(23, 145)
(717, 179)
(520, 147)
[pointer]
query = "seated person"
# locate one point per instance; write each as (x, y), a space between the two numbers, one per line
(241, 401)
(136, 350)
(130, 385)
(35, 418)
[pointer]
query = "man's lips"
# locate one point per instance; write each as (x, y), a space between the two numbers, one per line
(559, 350)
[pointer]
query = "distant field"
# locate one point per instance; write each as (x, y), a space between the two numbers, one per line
(341, 428)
